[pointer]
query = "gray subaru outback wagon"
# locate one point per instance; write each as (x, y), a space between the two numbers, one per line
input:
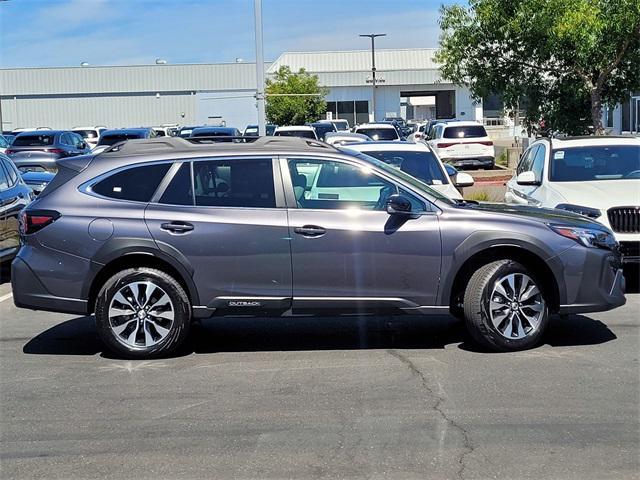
(152, 234)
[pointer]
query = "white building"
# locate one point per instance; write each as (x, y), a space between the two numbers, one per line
(409, 85)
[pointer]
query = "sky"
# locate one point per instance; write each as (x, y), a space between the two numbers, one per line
(46, 33)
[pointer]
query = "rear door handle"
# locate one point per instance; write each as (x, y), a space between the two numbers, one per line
(310, 231)
(177, 227)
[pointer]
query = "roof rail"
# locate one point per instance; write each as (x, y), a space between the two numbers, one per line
(158, 144)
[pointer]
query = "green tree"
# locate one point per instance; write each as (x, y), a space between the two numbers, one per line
(286, 105)
(567, 58)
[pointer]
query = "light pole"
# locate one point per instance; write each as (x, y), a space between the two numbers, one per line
(259, 69)
(373, 36)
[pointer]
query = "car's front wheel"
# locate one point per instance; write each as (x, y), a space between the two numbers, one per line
(142, 313)
(505, 306)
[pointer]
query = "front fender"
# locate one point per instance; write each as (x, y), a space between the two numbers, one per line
(484, 240)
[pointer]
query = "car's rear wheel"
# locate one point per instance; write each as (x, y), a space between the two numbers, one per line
(505, 306)
(142, 313)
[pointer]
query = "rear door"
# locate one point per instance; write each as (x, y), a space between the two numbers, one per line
(348, 253)
(226, 216)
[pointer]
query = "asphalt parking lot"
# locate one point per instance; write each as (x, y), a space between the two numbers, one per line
(331, 398)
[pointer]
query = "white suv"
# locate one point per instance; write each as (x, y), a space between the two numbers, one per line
(419, 161)
(594, 176)
(463, 144)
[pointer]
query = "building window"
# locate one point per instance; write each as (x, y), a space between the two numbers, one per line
(354, 111)
(610, 111)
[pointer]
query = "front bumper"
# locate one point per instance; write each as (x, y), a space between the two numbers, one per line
(630, 252)
(596, 285)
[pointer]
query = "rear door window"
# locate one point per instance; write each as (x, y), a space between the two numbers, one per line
(135, 184)
(179, 191)
(235, 182)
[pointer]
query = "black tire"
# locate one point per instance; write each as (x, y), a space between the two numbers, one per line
(476, 305)
(181, 309)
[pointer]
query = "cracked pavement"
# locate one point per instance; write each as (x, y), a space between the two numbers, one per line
(379, 397)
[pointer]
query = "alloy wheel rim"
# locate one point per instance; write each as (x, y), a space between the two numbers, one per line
(141, 315)
(516, 306)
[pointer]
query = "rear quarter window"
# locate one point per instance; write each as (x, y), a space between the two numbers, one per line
(136, 184)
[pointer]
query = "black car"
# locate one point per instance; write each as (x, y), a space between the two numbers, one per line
(323, 127)
(185, 131)
(14, 196)
(111, 137)
(252, 130)
(40, 149)
(231, 132)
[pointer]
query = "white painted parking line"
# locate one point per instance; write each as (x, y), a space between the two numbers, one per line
(6, 297)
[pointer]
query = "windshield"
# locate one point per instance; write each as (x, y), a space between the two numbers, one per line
(33, 140)
(380, 133)
(323, 128)
(422, 165)
(118, 137)
(469, 131)
(584, 164)
(414, 182)
(341, 124)
(185, 132)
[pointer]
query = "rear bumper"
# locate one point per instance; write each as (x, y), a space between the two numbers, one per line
(28, 292)
(471, 161)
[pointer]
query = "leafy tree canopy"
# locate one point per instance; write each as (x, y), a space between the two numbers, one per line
(295, 109)
(566, 57)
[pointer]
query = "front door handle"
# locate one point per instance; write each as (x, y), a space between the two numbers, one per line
(310, 231)
(177, 227)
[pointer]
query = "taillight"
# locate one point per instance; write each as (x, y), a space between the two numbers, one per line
(446, 145)
(54, 150)
(9, 151)
(32, 221)
(488, 143)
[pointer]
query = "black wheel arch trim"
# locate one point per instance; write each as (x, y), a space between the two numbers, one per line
(122, 247)
(485, 240)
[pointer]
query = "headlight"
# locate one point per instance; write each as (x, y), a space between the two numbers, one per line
(586, 211)
(588, 237)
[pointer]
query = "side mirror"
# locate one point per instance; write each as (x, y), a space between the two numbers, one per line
(398, 205)
(527, 178)
(463, 180)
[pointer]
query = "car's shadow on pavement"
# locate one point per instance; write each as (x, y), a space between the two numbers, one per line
(79, 337)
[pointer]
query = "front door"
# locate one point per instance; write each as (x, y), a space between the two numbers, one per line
(224, 216)
(347, 251)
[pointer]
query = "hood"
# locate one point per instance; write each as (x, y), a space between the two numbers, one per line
(542, 215)
(600, 194)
